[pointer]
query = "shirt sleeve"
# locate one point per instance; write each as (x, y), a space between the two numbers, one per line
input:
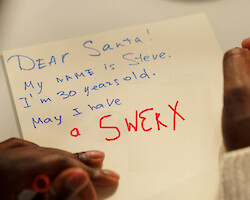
(235, 175)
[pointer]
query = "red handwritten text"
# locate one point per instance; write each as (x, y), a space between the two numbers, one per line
(143, 119)
(75, 134)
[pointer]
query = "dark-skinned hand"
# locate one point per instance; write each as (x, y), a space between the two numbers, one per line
(236, 111)
(73, 176)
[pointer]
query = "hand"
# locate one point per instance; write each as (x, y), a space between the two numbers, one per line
(236, 111)
(72, 175)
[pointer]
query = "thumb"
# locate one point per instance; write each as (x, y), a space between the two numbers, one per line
(236, 111)
(71, 184)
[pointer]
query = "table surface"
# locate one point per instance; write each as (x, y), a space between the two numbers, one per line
(29, 22)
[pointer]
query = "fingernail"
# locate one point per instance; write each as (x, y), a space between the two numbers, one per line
(111, 174)
(95, 154)
(76, 180)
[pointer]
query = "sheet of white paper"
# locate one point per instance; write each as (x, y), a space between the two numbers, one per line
(148, 96)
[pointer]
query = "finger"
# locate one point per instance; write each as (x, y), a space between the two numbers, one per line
(15, 142)
(236, 111)
(72, 183)
(246, 43)
(88, 192)
(104, 178)
(91, 158)
(99, 177)
(236, 67)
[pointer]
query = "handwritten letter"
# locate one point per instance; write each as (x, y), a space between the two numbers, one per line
(148, 96)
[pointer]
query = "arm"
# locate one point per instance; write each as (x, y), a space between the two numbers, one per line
(235, 172)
